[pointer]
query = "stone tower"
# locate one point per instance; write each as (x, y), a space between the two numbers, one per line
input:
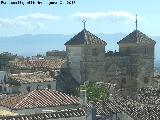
(86, 56)
(140, 49)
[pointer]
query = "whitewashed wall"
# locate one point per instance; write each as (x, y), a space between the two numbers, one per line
(42, 85)
(2, 74)
(3, 86)
(41, 110)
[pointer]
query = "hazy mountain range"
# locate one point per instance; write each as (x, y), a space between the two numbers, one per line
(28, 45)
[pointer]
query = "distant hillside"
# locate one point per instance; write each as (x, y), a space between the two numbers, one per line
(111, 40)
(29, 45)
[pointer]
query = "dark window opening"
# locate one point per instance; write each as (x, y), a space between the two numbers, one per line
(146, 51)
(28, 88)
(5, 79)
(128, 50)
(70, 62)
(5, 89)
(123, 80)
(146, 80)
(0, 88)
(94, 52)
(49, 86)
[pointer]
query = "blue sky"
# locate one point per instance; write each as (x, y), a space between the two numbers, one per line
(102, 16)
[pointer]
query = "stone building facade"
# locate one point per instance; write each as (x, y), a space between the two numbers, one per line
(131, 67)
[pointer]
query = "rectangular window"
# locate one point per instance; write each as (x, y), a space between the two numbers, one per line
(5, 79)
(0, 88)
(94, 52)
(145, 51)
(49, 86)
(123, 80)
(146, 80)
(28, 88)
(5, 89)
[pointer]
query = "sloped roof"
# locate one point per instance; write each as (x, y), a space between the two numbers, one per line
(85, 37)
(39, 98)
(50, 64)
(36, 77)
(136, 37)
(105, 107)
(63, 114)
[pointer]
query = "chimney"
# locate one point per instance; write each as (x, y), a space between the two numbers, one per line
(83, 98)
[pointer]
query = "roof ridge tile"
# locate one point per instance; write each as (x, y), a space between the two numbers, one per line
(85, 37)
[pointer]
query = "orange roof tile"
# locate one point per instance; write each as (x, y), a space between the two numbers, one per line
(38, 63)
(39, 98)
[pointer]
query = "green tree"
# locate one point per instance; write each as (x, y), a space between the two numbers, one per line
(95, 92)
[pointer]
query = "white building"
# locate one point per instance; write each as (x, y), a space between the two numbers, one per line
(3, 81)
(26, 82)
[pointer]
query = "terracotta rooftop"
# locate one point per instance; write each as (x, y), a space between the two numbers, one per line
(63, 114)
(136, 37)
(85, 37)
(139, 111)
(35, 77)
(50, 64)
(39, 98)
(105, 107)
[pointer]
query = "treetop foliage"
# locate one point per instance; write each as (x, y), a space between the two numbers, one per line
(95, 91)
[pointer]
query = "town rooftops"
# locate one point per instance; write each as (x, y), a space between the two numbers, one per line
(38, 99)
(85, 38)
(6, 113)
(105, 107)
(35, 77)
(63, 115)
(31, 64)
(136, 37)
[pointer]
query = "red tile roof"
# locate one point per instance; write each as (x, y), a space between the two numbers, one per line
(35, 77)
(136, 37)
(51, 64)
(85, 37)
(105, 107)
(39, 98)
(63, 114)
